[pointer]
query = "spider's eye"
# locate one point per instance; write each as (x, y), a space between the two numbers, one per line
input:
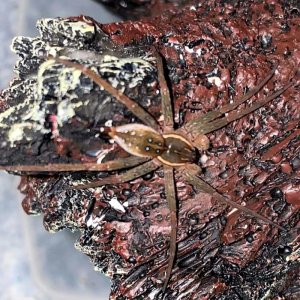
(139, 140)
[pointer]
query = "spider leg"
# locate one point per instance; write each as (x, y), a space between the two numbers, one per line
(168, 171)
(193, 179)
(133, 106)
(121, 163)
(171, 198)
(207, 127)
(165, 94)
(128, 175)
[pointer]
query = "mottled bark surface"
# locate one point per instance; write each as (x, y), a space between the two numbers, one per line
(135, 9)
(213, 53)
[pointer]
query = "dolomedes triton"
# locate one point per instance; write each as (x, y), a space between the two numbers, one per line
(153, 147)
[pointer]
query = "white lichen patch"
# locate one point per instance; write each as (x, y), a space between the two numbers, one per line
(114, 65)
(64, 81)
(22, 116)
(67, 27)
(52, 89)
(81, 27)
(109, 59)
(65, 111)
(8, 113)
(16, 132)
(34, 113)
(67, 79)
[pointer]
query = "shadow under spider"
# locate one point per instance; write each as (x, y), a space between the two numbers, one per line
(153, 147)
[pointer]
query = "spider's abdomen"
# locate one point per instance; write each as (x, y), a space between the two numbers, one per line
(179, 151)
(138, 140)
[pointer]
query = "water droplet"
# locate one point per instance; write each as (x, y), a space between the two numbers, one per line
(146, 213)
(132, 260)
(249, 237)
(284, 250)
(295, 163)
(127, 192)
(276, 193)
(155, 205)
(203, 235)
(162, 195)
(223, 175)
(148, 176)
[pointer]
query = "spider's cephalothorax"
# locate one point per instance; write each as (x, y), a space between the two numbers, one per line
(171, 149)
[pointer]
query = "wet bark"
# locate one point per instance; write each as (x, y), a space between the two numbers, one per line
(213, 53)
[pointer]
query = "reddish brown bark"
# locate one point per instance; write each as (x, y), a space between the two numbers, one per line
(213, 52)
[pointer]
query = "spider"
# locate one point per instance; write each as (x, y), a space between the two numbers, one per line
(152, 146)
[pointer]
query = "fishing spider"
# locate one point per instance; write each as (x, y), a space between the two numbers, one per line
(152, 146)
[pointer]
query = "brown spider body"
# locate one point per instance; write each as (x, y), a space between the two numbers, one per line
(171, 149)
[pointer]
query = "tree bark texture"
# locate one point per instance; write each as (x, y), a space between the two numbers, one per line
(214, 51)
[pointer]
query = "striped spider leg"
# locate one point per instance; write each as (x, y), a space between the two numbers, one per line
(152, 147)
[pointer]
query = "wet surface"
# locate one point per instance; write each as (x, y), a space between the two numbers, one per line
(212, 56)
